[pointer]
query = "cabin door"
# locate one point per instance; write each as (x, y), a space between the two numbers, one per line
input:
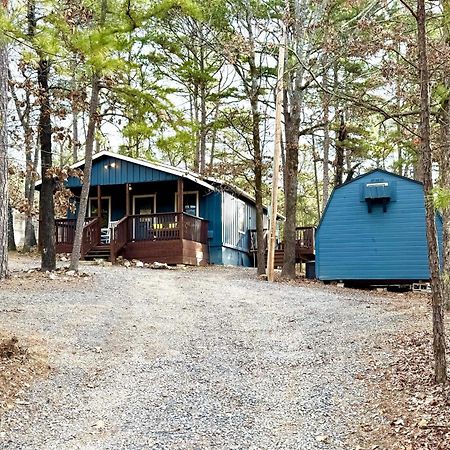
(143, 205)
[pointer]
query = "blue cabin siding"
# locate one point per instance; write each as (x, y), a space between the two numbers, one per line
(104, 174)
(355, 244)
(211, 210)
(238, 217)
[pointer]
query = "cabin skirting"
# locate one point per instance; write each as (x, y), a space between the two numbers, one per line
(180, 251)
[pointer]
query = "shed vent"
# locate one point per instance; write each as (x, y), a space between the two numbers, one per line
(377, 193)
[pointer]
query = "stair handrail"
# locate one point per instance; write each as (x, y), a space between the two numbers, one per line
(119, 237)
(91, 235)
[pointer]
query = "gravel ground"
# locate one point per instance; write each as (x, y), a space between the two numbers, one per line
(192, 359)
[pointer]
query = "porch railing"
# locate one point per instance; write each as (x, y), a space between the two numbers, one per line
(157, 227)
(91, 235)
(304, 237)
(65, 230)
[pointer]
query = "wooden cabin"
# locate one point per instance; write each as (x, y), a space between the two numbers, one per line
(373, 230)
(153, 212)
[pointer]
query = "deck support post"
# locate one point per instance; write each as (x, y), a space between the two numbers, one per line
(127, 199)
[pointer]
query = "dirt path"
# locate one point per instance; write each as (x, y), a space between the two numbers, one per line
(192, 359)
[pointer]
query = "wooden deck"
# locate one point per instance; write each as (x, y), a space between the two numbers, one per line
(172, 238)
(304, 246)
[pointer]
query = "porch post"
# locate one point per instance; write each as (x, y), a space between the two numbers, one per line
(180, 195)
(180, 203)
(99, 201)
(127, 199)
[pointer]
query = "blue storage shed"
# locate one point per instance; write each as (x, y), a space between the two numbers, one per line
(373, 229)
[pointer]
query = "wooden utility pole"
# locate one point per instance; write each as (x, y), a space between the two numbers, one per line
(276, 162)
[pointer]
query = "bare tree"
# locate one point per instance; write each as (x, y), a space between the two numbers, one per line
(440, 370)
(3, 157)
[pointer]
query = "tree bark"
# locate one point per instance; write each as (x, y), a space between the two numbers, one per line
(46, 201)
(293, 100)
(93, 109)
(291, 124)
(439, 349)
(90, 139)
(11, 239)
(326, 142)
(3, 159)
(444, 164)
(340, 150)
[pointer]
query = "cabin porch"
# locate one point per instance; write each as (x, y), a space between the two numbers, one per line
(140, 221)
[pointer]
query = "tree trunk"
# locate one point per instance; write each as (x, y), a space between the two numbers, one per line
(293, 100)
(326, 143)
(93, 108)
(258, 171)
(75, 138)
(3, 160)
(444, 165)
(340, 151)
(11, 239)
(291, 123)
(46, 201)
(440, 370)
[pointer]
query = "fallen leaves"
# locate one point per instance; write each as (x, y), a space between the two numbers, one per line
(18, 368)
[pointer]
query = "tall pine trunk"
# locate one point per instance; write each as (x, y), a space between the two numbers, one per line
(258, 171)
(340, 151)
(46, 201)
(444, 163)
(426, 169)
(11, 239)
(3, 158)
(292, 108)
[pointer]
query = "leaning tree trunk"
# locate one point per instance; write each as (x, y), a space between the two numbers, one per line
(426, 169)
(90, 138)
(3, 159)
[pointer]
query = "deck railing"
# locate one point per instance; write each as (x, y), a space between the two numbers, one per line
(157, 227)
(134, 228)
(65, 230)
(304, 240)
(91, 235)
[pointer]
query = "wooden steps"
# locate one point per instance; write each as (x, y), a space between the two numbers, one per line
(99, 252)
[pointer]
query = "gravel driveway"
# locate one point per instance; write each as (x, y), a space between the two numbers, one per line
(192, 359)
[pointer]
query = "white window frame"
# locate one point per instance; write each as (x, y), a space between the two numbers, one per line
(144, 196)
(197, 201)
(107, 197)
(240, 204)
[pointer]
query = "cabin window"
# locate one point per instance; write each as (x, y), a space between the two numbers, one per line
(241, 216)
(190, 202)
